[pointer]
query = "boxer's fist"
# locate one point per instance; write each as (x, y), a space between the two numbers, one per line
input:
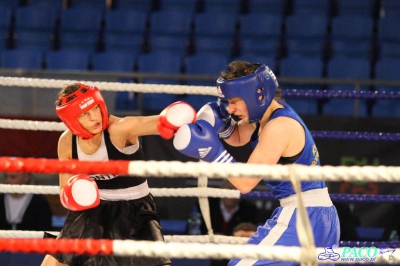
(199, 140)
(216, 113)
(173, 117)
(80, 193)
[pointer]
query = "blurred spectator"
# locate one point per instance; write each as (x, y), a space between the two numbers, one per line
(241, 230)
(244, 230)
(226, 213)
(24, 211)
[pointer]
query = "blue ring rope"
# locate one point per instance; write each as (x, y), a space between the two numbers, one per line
(347, 135)
(341, 94)
(266, 195)
(343, 135)
(392, 244)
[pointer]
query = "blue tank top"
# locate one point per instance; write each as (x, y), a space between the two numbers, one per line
(308, 156)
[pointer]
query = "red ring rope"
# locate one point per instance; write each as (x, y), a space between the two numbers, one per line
(73, 166)
(76, 246)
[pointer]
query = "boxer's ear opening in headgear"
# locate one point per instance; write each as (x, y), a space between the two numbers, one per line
(257, 90)
(83, 99)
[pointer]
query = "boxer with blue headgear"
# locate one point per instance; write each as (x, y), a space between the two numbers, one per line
(257, 90)
(277, 136)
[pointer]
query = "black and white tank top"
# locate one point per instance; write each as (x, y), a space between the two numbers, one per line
(114, 187)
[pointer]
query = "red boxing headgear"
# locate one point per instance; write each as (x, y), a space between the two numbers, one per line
(68, 112)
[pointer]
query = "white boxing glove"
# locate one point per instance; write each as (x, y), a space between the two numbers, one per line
(80, 193)
(173, 117)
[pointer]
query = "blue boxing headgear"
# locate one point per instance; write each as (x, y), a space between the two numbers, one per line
(257, 90)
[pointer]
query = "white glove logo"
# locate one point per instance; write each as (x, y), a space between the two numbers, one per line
(204, 151)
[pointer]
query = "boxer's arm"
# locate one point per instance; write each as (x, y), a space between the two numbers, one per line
(79, 192)
(282, 136)
(129, 129)
(64, 151)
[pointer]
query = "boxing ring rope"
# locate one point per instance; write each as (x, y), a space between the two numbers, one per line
(295, 173)
(339, 135)
(192, 89)
(206, 192)
(175, 169)
(173, 250)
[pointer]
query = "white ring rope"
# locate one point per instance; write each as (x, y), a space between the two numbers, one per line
(109, 86)
(175, 169)
(31, 125)
(157, 192)
(220, 239)
(194, 247)
(177, 246)
(270, 172)
(223, 251)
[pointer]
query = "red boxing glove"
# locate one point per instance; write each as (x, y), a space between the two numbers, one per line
(173, 117)
(80, 193)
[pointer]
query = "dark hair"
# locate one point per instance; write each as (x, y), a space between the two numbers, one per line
(243, 68)
(239, 69)
(245, 227)
(69, 89)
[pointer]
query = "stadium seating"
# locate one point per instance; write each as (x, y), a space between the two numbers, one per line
(189, 6)
(347, 67)
(80, 29)
(301, 67)
(260, 33)
(113, 61)
(5, 26)
(35, 28)
(164, 63)
(305, 42)
(387, 69)
(53, 5)
(97, 4)
(65, 59)
(226, 6)
(144, 5)
(125, 30)
(266, 7)
(22, 58)
(365, 8)
(172, 36)
(320, 7)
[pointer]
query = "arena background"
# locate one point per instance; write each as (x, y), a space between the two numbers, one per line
(24, 143)
(38, 104)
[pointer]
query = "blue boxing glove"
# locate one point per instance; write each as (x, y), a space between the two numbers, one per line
(200, 141)
(216, 113)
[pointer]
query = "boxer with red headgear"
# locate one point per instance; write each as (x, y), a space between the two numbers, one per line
(70, 107)
(105, 205)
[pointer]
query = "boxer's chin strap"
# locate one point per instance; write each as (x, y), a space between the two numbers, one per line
(303, 225)
(205, 207)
